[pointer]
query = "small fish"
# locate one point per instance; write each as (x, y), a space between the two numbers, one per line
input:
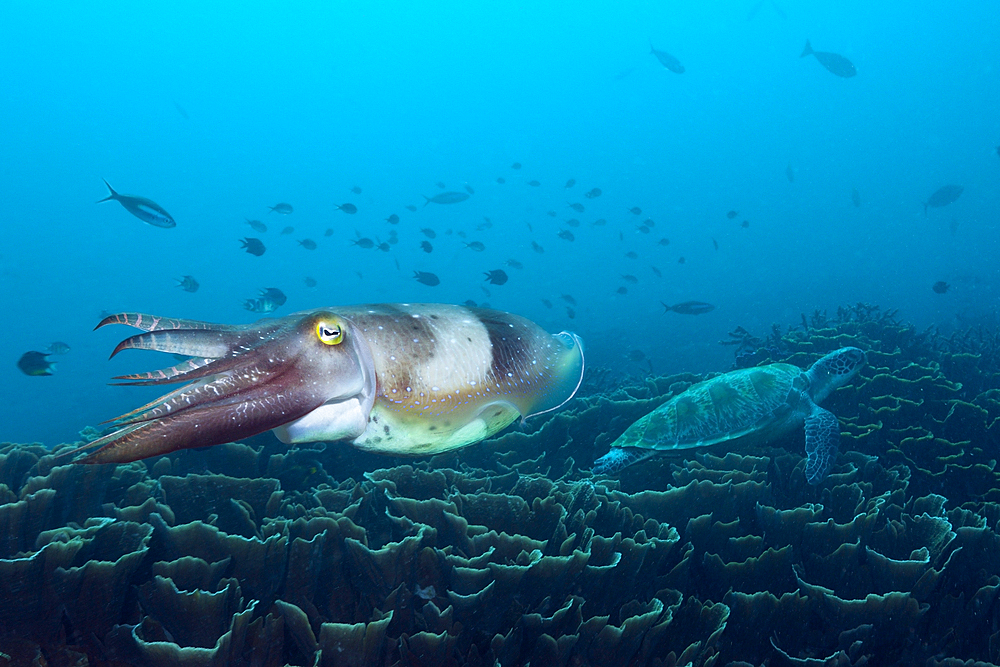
(501, 180)
(635, 210)
(287, 230)
(732, 214)
(393, 219)
(573, 222)
(632, 254)
(537, 248)
(274, 294)
(364, 242)
(566, 234)
(356, 190)
(384, 246)
(856, 197)
(551, 214)
(745, 224)
(681, 260)
(476, 246)
(484, 225)
(468, 188)
(600, 222)
(469, 303)
(446, 198)
(689, 308)
(622, 290)
(635, 355)
(496, 277)
(834, 62)
(310, 282)
(282, 208)
(656, 271)
(790, 173)
(715, 244)
(568, 298)
(426, 246)
(347, 208)
(393, 240)
(426, 278)
(546, 303)
(253, 246)
(58, 348)
(516, 165)
(260, 305)
(649, 222)
(667, 60)
(629, 278)
(530, 228)
(514, 264)
(571, 182)
(593, 193)
(534, 184)
(940, 287)
(35, 364)
(146, 210)
(188, 284)
(441, 185)
(643, 229)
(411, 208)
(329, 232)
(943, 196)
(429, 233)
(570, 313)
(308, 244)
(576, 206)
(257, 226)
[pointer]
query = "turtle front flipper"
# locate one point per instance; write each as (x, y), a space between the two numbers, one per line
(620, 458)
(822, 443)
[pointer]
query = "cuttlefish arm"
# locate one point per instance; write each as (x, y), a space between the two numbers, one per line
(393, 378)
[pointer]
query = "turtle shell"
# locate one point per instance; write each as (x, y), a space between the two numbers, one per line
(764, 400)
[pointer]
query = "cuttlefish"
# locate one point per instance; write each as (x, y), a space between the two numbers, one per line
(400, 379)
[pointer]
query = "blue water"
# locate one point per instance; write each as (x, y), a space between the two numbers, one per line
(218, 110)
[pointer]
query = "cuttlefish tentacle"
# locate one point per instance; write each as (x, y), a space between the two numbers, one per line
(393, 378)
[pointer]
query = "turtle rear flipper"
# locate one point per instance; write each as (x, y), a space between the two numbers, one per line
(822, 443)
(619, 458)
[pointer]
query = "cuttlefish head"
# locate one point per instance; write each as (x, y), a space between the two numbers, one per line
(244, 380)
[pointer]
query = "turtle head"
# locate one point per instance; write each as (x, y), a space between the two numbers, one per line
(834, 370)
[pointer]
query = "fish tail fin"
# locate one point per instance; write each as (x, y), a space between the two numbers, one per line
(666, 308)
(112, 195)
(427, 198)
(808, 51)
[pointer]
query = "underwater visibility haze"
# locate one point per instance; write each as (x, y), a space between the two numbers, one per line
(770, 228)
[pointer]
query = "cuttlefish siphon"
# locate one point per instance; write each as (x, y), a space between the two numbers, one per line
(400, 379)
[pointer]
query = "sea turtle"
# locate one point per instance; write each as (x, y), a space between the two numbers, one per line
(752, 404)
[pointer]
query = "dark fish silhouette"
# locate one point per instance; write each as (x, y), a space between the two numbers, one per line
(287, 230)
(546, 303)
(468, 188)
(496, 276)
(835, 63)
(253, 246)
(308, 244)
(622, 290)
(664, 241)
(282, 208)
(257, 226)
(476, 245)
(943, 196)
(745, 224)
(188, 284)
(428, 232)
(145, 209)
(537, 248)
(732, 214)
(566, 234)
(856, 197)
(393, 219)
(940, 287)
(568, 298)
(310, 282)
(426, 246)
(348, 208)
(667, 60)
(35, 364)
(356, 190)
(441, 185)
(632, 254)
(516, 165)
(426, 278)
(329, 232)
(571, 182)
(600, 222)
(501, 180)
(689, 308)
(576, 207)
(715, 244)
(384, 246)
(593, 193)
(635, 210)
(656, 271)
(514, 264)
(446, 198)
(534, 184)
(570, 313)
(411, 208)
(364, 242)
(573, 222)
(681, 260)
(629, 278)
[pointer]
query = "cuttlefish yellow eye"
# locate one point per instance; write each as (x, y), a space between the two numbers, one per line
(330, 331)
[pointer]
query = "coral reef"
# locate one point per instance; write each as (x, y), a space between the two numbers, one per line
(512, 553)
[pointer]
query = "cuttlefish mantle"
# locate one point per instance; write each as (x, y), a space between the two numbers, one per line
(402, 379)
